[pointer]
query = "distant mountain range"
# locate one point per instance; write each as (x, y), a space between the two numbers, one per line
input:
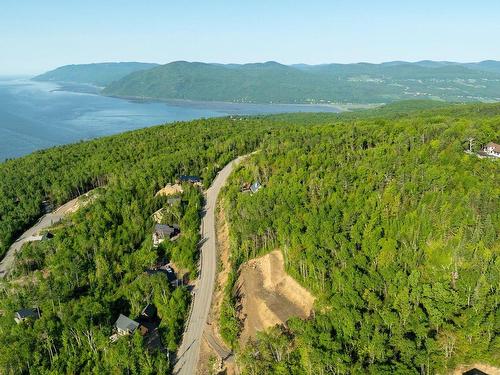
(272, 82)
(100, 74)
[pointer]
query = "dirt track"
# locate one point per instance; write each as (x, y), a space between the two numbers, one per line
(32, 233)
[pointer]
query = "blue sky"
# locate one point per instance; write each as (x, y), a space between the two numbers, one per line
(38, 35)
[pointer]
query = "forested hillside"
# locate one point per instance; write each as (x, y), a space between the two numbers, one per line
(93, 268)
(392, 227)
(100, 74)
(381, 215)
(272, 82)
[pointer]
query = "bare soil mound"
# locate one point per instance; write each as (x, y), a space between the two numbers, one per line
(269, 296)
(169, 189)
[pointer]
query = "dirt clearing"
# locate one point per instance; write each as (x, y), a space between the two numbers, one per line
(169, 189)
(269, 296)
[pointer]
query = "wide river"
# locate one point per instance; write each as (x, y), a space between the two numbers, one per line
(38, 115)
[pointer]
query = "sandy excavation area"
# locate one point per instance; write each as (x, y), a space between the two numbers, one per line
(169, 189)
(269, 296)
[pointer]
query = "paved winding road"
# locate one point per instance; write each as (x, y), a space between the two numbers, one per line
(189, 351)
(32, 234)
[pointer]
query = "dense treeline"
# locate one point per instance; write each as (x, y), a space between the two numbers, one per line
(395, 230)
(94, 267)
(63, 173)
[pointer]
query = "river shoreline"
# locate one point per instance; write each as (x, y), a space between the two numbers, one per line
(97, 90)
(36, 115)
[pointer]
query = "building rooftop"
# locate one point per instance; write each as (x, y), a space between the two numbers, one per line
(494, 146)
(255, 187)
(474, 371)
(192, 179)
(126, 324)
(164, 230)
(28, 313)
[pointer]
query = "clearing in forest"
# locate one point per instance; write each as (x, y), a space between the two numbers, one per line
(169, 189)
(269, 296)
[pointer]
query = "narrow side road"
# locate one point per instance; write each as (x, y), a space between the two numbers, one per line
(32, 234)
(189, 351)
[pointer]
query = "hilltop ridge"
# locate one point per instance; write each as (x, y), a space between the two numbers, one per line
(273, 82)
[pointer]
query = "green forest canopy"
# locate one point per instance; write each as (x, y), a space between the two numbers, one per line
(381, 215)
(395, 230)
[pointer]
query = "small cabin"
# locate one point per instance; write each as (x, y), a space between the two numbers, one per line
(27, 314)
(255, 187)
(162, 232)
(125, 326)
(492, 149)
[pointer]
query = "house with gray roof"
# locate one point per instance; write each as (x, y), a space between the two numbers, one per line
(164, 231)
(125, 326)
(255, 187)
(25, 314)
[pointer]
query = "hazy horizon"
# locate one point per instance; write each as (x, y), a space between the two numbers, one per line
(37, 37)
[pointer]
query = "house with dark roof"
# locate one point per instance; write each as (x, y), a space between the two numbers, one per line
(125, 326)
(492, 149)
(474, 371)
(162, 232)
(25, 314)
(190, 179)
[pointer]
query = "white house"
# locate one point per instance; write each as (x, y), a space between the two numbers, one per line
(492, 149)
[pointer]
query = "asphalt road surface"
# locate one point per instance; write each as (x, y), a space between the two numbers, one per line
(32, 234)
(189, 351)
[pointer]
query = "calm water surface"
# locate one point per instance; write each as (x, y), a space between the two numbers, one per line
(37, 115)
